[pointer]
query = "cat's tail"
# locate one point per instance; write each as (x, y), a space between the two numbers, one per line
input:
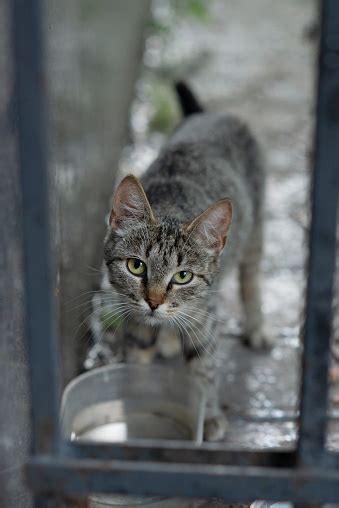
(188, 102)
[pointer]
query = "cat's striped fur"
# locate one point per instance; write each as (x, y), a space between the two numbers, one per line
(162, 222)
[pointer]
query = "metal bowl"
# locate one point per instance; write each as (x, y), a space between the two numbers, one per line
(125, 402)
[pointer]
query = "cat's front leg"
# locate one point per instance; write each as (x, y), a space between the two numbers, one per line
(169, 343)
(255, 333)
(202, 359)
(139, 343)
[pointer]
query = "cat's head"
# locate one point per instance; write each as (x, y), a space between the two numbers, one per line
(157, 266)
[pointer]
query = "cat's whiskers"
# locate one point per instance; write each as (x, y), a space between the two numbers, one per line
(111, 313)
(87, 319)
(83, 322)
(82, 295)
(172, 324)
(190, 316)
(184, 326)
(204, 314)
(104, 301)
(123, 316)
(94, 269)
(191, 325)
(82, 306)
(111, 310)
(104, 295)
(183, 332)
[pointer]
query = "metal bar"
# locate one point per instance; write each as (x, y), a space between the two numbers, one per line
(30, 97)
(81, 477)
(180, 453)
(322, 245)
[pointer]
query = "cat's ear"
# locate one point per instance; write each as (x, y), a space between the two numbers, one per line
(130, 204)
(212, 225)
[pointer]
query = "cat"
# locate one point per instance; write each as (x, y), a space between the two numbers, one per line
(196, 213)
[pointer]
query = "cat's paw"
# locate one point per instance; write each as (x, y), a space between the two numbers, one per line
(215, 428)
(259, 339)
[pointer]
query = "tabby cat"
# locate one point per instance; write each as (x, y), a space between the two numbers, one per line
(195, 214)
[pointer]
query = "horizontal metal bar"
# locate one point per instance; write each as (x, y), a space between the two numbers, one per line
(40, 326)
(231, 483)
(180, 452)
(322, 246)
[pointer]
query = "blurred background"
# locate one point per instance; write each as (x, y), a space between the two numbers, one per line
(110, 69)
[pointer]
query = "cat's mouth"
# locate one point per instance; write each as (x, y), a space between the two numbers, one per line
(152, 317)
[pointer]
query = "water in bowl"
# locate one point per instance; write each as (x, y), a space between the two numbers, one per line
(122, 421)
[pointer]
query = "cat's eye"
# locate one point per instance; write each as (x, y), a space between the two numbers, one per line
(182, 277)
(136, 266)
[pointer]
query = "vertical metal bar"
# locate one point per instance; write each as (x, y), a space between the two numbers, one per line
(41, 329)
(322, 245)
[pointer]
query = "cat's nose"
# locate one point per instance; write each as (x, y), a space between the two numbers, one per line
(152, 305)
(154, 299)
